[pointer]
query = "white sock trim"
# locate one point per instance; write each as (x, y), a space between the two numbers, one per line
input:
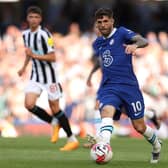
(106, 129)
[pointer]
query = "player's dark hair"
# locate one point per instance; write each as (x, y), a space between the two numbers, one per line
(34, 9)
(103, 12)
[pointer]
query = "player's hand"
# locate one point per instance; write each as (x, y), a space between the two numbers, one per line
(21, 71)
(130, 48)
(29, 52)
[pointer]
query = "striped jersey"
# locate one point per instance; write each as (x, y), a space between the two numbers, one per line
(40, 42)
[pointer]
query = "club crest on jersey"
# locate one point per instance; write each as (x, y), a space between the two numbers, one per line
(107, 58)
(111, 42)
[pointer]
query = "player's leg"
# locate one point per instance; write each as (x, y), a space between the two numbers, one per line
(108, 103)
(32, 93)
(92, 139)
(150, 136)
(134, 104)
(64, 123)
(54, 93)
(30, 104)
(55, 122)
(135, 110)
(106, 126)
(151, 115)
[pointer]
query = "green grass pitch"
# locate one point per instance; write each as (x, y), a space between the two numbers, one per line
(38, 152)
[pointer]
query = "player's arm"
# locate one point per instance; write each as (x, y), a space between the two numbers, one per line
(49, 54)
(26, 62)
(50, 57)
(137, 42)
(94, 69)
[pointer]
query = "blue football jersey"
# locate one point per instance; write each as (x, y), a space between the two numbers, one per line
(116, 64)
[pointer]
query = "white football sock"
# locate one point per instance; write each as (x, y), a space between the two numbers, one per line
(149, 114)
(151, 137)
(106, 129)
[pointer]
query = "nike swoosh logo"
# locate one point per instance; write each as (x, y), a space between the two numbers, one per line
(136, 114)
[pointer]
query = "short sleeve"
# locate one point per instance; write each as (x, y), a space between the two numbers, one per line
(48, 40)
(25, 35)
(127, 33)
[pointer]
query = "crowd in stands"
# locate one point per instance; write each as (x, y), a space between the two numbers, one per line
(73, 57)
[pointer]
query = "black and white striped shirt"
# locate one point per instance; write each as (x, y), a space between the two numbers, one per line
(40, 42)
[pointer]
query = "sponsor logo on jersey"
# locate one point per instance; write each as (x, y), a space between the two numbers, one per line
(107, 58)
(39, 52)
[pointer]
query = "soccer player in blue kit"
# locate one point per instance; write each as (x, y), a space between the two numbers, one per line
(119, 85)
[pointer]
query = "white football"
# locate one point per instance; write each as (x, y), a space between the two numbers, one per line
(101, 153)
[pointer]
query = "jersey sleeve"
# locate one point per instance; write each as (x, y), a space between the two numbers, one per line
(24, 40)
(127, 33)
(24, 37)
(48, 42)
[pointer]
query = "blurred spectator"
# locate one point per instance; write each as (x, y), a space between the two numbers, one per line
(73, 52)
(59, 14)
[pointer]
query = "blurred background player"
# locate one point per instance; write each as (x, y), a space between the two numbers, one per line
(39, 48)
(119, 86)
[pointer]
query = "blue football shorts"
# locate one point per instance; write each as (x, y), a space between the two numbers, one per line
(127, 96)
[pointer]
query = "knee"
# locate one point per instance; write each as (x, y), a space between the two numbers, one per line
(140, 128)
(107, 111)
(29, 106)
(54, 106)
(55, 110)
